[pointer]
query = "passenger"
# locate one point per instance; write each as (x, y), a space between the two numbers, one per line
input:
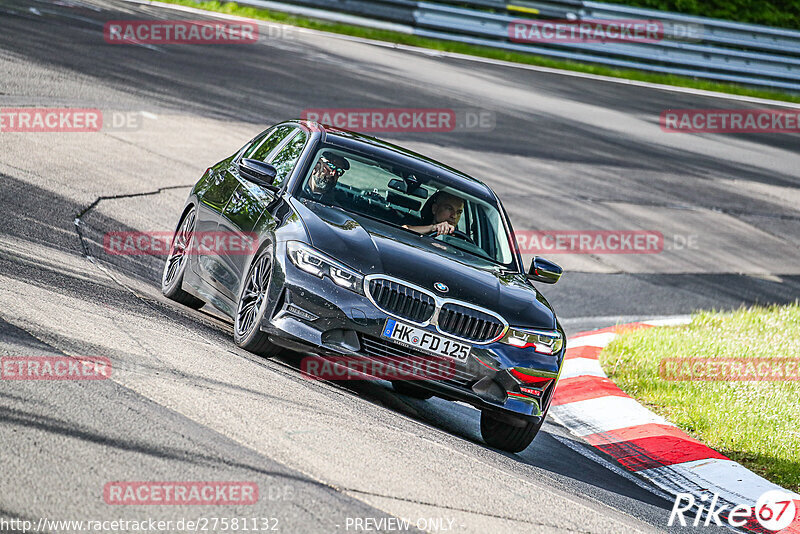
(442, 215)
(329, 168)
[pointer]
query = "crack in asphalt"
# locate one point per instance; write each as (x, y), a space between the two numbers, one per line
(99, 199)
(77, 221)
(87, 254)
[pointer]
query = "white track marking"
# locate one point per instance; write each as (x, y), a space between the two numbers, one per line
(581, 367)
(592, 340)
(604, 414)
(728, 479)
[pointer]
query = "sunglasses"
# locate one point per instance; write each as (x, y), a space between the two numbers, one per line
(338, 170)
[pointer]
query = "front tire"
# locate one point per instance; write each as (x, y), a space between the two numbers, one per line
(501, 434)
(175, 266)
(251, 307)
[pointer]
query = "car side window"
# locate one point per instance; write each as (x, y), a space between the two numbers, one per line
(261, 150)
(285, 160)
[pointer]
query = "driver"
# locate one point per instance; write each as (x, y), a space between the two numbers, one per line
(446, 210)
(329, 168)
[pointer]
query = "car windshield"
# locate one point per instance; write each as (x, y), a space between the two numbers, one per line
(398, 196)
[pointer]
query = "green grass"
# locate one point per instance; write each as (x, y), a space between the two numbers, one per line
(780, 13)
(755, 423)
(482, 51)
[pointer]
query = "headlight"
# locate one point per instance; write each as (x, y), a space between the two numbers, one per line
(542, 341)
(315, 262)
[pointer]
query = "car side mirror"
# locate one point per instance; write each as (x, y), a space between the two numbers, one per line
(545, 271)
(258, 172)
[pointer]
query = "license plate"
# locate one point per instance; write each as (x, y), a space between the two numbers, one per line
(426, 341)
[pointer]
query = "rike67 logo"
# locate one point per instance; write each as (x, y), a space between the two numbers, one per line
(774, 511)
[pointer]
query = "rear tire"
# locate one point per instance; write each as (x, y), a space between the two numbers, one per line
(409, 390)
(175, 266)
(500, 434)
(251, 307)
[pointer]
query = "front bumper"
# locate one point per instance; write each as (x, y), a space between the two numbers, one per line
(315, 316)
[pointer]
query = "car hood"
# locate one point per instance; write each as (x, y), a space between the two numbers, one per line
(374, 247)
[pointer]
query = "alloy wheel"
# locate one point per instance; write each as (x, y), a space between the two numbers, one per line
(179, 250)
(253, 295)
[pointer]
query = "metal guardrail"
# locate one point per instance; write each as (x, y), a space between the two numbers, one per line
(691, 46)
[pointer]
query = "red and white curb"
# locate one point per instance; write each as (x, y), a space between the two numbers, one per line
(592, 407)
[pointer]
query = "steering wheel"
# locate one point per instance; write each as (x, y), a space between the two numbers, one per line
(456, 233)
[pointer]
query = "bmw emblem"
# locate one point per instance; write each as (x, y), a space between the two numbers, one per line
(441, 287)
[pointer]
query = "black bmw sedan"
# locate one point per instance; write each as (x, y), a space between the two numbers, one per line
(362, 251)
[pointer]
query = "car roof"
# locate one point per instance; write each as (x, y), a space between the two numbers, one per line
(365, 144)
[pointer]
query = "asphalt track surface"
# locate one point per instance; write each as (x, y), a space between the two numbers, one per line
(184, 404)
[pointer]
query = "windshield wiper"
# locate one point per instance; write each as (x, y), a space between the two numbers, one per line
(371, 217)
(473, 253)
